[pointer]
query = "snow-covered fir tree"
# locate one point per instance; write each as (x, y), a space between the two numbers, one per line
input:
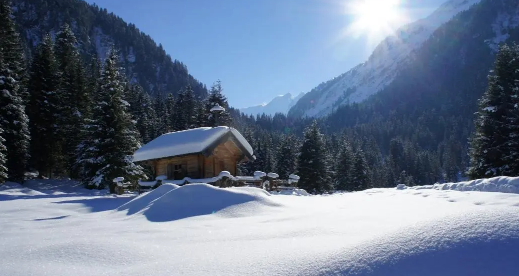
(161, 121)
(44, 109)
(286, 157)
(170, 111)
(74, 98)
(248, 168)
(13, 122)
(217, 97)
(189, 108)
(360, 176)
(14, 58)
(113, 131)
(491, 153)
(201, 113)
(512, 158)
(147, 117)
(313, 162)
(345, 168)
(180, 122)
(3, 158)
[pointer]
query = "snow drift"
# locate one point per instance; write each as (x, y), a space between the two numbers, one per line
(502, 184)
(15, 189)
(170, 202)
(480, 244)
(146, 199)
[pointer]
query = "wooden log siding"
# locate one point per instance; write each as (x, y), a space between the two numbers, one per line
(225, 157)
(188, 162)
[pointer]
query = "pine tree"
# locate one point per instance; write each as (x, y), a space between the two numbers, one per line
(114, 132)
(10, 43)
(216, 97)
(286, 157)
(161, 122)
(512, 158)
(3, 158)
(360, 172)
(13, 122)
(74, 99)
(93, 76)
(490, 146)
(345, 168)
(170, 110)
(189, 108)
(312, 163)
(248, 168)
(180, 117)
(44, 107)
(201, 114)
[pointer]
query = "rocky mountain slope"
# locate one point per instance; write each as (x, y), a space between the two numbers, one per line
(280, 104)
(97, 30)
(382, 67)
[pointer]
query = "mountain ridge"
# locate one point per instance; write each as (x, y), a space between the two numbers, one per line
(145, 62)
(381, 68)
(280, 104)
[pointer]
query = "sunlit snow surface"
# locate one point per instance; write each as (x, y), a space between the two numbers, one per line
(202, 230)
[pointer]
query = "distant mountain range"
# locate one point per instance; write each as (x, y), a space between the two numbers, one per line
(280, 104)
(385, 63)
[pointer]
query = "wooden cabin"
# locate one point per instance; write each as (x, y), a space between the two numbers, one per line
(196, 153)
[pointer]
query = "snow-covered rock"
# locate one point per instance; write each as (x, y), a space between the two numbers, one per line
(381, 68)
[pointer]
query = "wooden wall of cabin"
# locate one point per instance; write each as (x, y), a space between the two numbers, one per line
(189, 162)
(225, 158)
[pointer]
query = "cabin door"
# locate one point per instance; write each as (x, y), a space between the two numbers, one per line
(176, 171)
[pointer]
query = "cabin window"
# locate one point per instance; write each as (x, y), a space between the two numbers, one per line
(176, 171)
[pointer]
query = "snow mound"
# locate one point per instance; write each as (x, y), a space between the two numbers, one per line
(144, 200)
(294, 192)
(502, 184)
(171, 203)
(401, 187)
(478, 244)
(15, 189)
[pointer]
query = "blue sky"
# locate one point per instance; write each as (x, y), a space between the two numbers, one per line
(258, 49)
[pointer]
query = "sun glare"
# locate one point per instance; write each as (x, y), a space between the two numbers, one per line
(374, 18)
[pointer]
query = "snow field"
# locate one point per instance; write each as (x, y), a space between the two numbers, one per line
(202, 230)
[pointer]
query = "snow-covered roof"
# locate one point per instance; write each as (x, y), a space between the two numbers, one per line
(188, 142)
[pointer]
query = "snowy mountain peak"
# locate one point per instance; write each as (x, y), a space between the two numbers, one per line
(280, 104)
(382, 66)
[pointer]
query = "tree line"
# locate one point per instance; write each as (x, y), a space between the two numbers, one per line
(61, 117)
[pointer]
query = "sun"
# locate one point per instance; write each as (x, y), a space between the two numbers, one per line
(374, 18)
